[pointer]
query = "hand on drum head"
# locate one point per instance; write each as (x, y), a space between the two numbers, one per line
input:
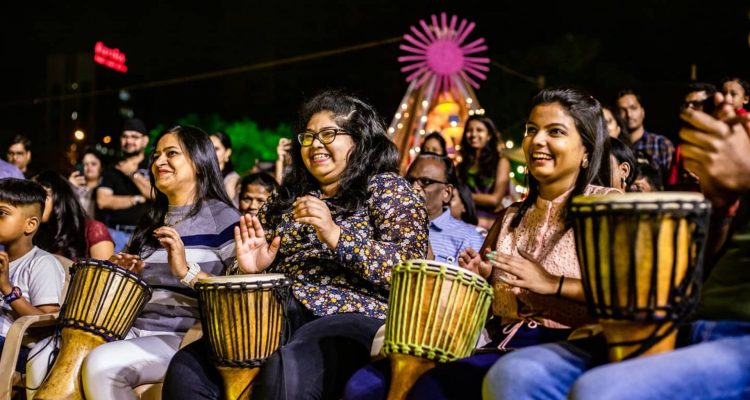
(172, 242)
(254, 254)
(128, 261)
(716, 150)
(471, 260)
(523, 272)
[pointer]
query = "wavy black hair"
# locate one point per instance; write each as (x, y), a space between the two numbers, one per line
(745, 85)
(65, 231)
(589, 121)
(488, 156)
(200, 150)
(226, 141)
(373, 153)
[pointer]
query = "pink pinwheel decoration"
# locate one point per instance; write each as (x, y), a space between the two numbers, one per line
(438, 51)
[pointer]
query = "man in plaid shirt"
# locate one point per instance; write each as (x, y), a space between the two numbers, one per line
(656, 148)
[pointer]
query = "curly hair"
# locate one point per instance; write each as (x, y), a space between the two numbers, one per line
(373, 153)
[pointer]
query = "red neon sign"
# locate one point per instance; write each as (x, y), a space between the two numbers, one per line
(110, 58)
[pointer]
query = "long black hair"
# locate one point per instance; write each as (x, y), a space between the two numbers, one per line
(373, 153)
(586, 112)
(65, 231)
(200, 150)
(226, 141)
(488, 156)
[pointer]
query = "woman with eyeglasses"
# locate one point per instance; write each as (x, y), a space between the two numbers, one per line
(340, 221)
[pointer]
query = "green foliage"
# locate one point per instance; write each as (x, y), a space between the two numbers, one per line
(250, 143)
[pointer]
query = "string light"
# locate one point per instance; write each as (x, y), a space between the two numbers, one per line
(520, 169)
(399, 125)
(509, 144)
(398, 115)
(469, 100)
(511, 174)
(403, 106)
(390, 130)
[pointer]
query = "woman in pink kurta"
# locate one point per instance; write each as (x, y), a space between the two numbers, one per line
(532, 261)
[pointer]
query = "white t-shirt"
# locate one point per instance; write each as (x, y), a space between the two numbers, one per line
(39, 276)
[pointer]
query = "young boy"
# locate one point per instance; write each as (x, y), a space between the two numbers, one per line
(31, 280)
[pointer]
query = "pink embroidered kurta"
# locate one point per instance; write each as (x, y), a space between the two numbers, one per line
(542, 234)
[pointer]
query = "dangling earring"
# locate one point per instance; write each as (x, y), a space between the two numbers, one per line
(585, 163)
(623, 182)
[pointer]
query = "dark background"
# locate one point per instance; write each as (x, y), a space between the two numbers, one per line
(599, 45)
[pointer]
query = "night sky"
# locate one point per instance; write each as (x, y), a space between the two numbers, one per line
(598, 45)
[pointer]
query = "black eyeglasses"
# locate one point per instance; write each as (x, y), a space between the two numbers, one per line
(325, 136)
(422, 181)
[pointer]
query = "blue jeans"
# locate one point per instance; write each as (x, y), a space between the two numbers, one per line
(714, 365)
(120, 238)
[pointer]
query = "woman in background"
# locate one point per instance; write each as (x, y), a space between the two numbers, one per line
(483, 168)
(86, 182)
(65, 229)
(223, 145)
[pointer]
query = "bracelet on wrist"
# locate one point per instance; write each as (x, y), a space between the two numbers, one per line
(14, 295)
(193, 270)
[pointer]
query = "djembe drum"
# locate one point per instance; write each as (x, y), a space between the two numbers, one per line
(101, 305)
(435, 314)
(641, 265)
(243, 319)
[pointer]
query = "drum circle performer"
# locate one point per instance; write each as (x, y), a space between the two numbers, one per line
(186, 234)
(340, 221)
(532, 261)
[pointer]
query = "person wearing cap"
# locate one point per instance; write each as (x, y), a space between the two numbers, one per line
(125, 187)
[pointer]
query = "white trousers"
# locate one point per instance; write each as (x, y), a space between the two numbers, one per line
(112, 370)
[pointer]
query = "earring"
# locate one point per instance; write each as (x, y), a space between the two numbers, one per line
(623, 181)
(585, 163)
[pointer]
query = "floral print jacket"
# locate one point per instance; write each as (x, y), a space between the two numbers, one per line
(355, 277)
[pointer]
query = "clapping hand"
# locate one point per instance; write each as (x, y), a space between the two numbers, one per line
(254, 253)
(523, 272)
(172, 242)
(314, 211)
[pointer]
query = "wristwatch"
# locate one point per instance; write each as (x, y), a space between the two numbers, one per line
(138, 199)
(193, 270)
(14, 295)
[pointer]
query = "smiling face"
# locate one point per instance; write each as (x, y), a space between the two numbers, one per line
(553, 147)
(173, 170)
(326, 162)
(734, 94)
(477, 135)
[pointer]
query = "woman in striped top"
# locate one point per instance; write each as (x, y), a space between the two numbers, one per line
(186, 235)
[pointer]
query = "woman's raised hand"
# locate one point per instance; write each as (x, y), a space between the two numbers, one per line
(254, 253)
(172, 242)
(314, 211)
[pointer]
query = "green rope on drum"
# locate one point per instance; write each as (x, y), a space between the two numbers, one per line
(415, 330)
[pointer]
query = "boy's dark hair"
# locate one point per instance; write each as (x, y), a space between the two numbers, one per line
(648, 172)
(259, 178)
(22, 192)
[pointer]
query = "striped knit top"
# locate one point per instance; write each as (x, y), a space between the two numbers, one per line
(209, 241)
